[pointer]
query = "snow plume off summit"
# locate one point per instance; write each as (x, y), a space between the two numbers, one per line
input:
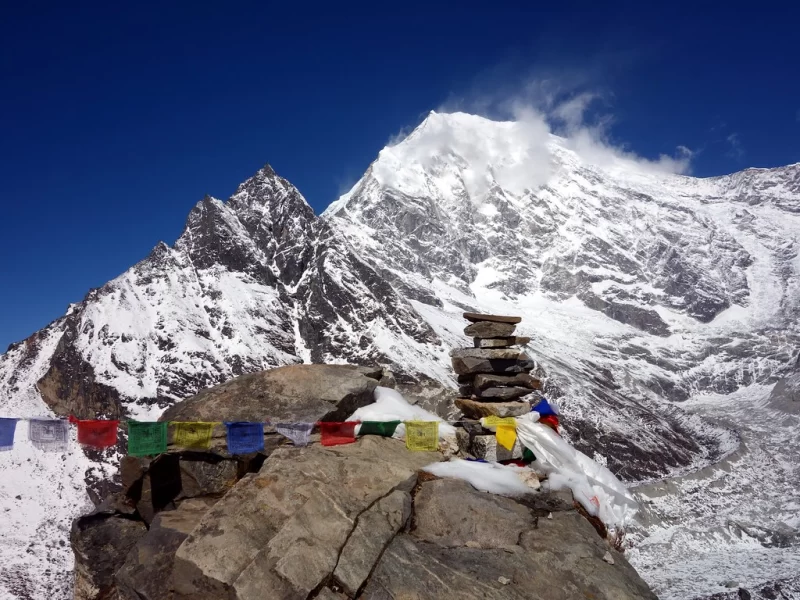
(663, 308)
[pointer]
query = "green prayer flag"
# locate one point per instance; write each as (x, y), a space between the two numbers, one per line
(146, 438)
(384, 428)
(527, 455)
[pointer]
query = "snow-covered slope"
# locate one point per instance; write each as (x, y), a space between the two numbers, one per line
(643, 292)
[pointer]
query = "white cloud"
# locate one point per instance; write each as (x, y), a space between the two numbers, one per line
(575, 110)
(515, 155)
(572, 112)
(399, 136)
(736, 149)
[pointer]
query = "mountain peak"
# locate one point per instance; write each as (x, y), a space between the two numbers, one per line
(267, 171)
(450, 151)
(264, 177)
(266, 191)
(448, 125)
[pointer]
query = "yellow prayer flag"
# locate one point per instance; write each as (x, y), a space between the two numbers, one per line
(422, 435)
(506, 436)
(193, 435)
(495, 421)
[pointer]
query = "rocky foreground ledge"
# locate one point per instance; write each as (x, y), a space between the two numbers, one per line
(354, 521)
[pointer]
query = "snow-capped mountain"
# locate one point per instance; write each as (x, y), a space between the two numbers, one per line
(653, 300)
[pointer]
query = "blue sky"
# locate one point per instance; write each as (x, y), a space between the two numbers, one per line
(115, 120)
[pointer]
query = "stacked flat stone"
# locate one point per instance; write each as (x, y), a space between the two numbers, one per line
(494, 375)
(494, 379)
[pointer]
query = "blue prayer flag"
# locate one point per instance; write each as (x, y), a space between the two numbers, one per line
(544, 408)
(7, 427)
(244, 437)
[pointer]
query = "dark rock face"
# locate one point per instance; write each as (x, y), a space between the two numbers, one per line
(773, 590)
(206, 478)
(101, 542)
(147, 570)
(173, 477)
(70, 385)
(630, 314)
(785, 396)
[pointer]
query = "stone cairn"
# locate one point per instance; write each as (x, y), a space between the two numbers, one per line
(494, 379)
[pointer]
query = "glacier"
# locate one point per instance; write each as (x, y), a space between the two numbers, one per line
(662, 310)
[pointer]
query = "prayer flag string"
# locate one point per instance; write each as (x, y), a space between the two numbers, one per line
(244, 437)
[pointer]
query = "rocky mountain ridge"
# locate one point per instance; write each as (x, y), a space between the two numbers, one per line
(639, 290)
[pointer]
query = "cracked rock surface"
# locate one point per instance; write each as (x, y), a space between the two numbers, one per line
(359, 521)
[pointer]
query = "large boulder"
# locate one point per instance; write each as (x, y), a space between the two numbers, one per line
(449, 513)
(283, 529)
(294, 393)
(470, 545)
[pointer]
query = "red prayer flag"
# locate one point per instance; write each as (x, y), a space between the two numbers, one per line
(334, 434)
(97, 434)
(551, 421)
